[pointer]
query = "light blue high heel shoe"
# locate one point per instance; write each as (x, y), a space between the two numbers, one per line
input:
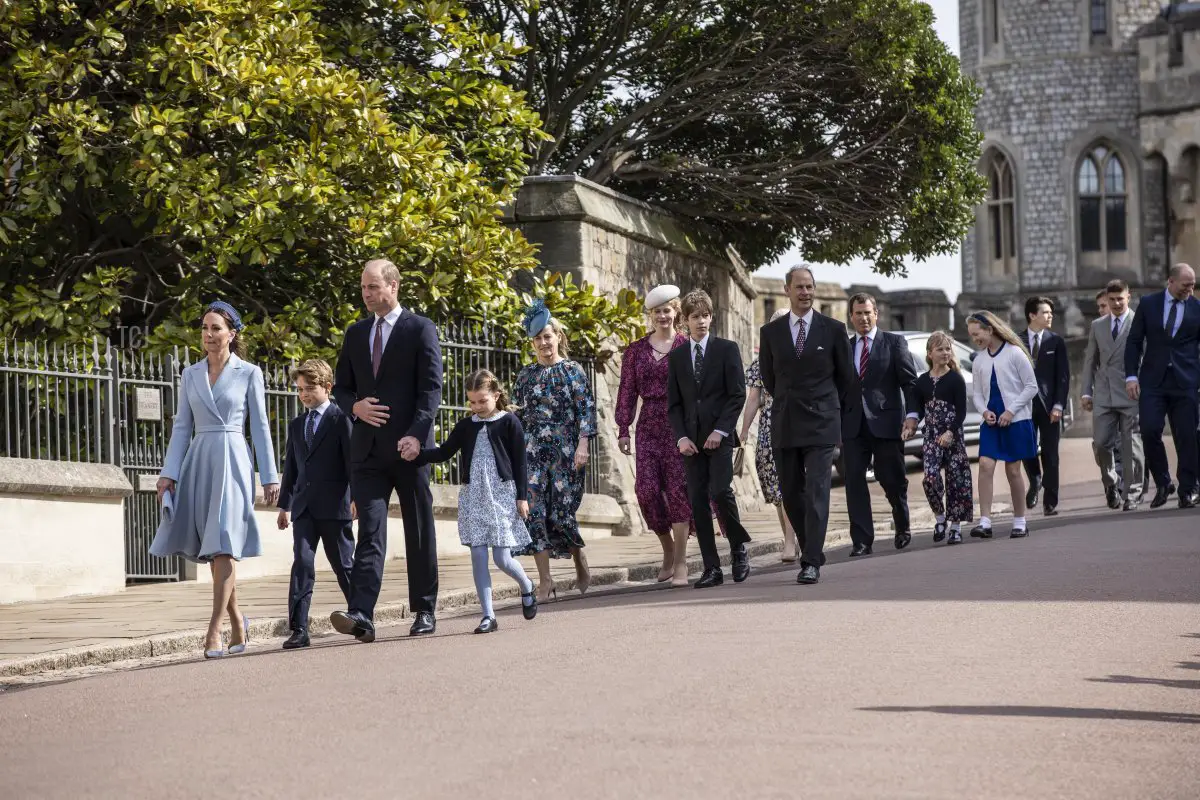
(214, 653)
(235, 649)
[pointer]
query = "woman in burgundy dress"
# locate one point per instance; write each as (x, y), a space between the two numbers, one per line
(660, 484)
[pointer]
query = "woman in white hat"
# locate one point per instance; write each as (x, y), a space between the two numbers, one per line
(660, 484)
(764, 457)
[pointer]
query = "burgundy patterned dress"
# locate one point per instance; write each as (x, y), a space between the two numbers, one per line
(660, 485)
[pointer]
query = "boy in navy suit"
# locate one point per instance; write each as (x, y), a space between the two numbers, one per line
(316, 491)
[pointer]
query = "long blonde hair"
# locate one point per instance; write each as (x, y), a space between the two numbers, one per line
(936, 339)
(998, 327)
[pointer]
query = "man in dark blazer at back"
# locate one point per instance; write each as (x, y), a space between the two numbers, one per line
(872, 426)
(389, 380)
(1162, 372)
(706, 389)
(1052, 366)
(805, 363)
(315, 490)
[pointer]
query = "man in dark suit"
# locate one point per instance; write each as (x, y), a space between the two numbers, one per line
(805, 363)
(315, 489)
(389, 379)
(706, 388)
(1162, 372)
(871, 428)
(1052, 366)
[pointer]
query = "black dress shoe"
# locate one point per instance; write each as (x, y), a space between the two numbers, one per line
(740, 563)
(1019, 533)
(1162, 496)
(297, 639)
(529, 611)
(939, 532)
(1034, 493)
(1132, 504)
(711, 577)
(980, 532)
(487, 625)
(1110, 497)
(808, 575)
(1187, 500)
(424, 624)
(1049, 511)
(902, 540)
(355, 625)
(860, 550)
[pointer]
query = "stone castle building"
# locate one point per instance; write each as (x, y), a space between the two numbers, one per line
(1090, 114)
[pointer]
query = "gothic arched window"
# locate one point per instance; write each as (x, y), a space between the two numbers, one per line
(1001, 216)
(1103, 209)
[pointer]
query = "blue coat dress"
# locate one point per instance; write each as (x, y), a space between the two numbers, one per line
(209, 460)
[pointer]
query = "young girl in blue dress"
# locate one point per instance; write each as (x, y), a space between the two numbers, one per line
(493, 491)
(1004, 386)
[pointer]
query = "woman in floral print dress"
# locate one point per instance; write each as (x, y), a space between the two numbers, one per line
(764, 457)
(660, 485)
(557, 410)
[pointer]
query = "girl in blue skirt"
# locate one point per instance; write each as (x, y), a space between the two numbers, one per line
(1004, 386)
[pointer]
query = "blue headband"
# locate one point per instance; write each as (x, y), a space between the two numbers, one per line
(234, 316)
(537, 317)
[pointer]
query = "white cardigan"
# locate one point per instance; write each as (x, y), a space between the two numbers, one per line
(1014, 376)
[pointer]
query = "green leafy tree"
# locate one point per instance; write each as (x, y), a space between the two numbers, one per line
(841, 126)
(159, 153)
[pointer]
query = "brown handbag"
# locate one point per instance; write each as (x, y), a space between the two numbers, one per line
(739, 461)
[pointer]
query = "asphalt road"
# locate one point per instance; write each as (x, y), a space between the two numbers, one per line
(1065, 665)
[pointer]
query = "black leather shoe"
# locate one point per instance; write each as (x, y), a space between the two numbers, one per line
(296, 640)
(1034, 493)
(1049, 511)
(939, 532)
(487, 625)
(529, 611)
(1132, 504)
(1162, 496)
(860, 550)
(424, 624)
(1019, 533)
(1110, 497)
(740, 564)
(1187, 500)
(980, 532)
(808, 575)
(902, 539)
(710, 578)
(355, 625)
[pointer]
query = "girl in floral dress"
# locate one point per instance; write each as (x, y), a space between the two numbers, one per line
(556, 408)
(941, 396)
(660, 484)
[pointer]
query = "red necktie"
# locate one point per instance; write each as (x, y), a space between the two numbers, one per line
(377, 348)
(862, 359)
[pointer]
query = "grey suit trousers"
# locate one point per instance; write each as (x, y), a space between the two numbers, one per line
(1113, 428)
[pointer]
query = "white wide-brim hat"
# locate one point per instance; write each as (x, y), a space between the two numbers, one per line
(660, 295)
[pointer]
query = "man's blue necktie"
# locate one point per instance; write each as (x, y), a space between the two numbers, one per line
(310, 427)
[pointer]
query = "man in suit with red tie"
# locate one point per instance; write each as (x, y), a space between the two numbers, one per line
(389, 380)
(805, 363)
(1162, 373)
(872, 427)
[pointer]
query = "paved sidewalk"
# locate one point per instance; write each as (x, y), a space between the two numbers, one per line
(165, 618)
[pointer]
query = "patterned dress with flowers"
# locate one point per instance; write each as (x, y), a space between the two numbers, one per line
(943, 401)
(556, 407)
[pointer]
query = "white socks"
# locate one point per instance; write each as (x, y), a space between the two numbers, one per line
(1019, 523)
(985, 523)
(941, 519)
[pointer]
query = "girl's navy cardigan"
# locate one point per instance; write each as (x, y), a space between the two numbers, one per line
(507, 438)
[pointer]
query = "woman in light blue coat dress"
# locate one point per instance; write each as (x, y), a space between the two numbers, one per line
(207, 483)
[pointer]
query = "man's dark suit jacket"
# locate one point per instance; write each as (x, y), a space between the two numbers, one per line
(809, 392)
(317, 479)
(1053, 370)
(409, 383)
(1149, 349)
(887, 388)
(714, 405)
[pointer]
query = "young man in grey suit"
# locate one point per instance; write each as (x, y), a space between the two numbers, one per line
(1114, 414)
(805, 362)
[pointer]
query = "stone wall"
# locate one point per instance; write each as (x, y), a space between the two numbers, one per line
(615, 242)
(1050, 94)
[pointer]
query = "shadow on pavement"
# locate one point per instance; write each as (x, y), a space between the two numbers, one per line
(1050, 712)
(1164, 682)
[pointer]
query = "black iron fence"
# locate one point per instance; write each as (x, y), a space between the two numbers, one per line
(107, 404)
